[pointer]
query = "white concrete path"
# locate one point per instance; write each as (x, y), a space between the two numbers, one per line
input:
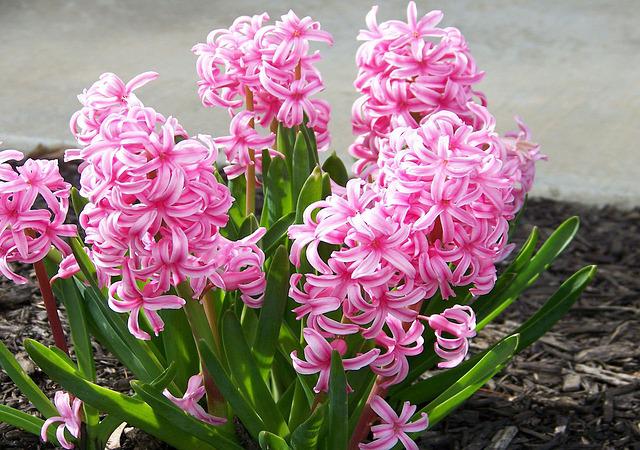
(571, 68)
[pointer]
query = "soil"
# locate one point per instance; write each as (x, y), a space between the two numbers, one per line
(576, 388)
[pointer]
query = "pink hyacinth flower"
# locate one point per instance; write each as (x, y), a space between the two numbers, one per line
(318, 355)
(70, 419)
(67, 268)
(459, 322)
(189, 401)
(394, 427)
(295, 99)
(133, 300)
(293, 34)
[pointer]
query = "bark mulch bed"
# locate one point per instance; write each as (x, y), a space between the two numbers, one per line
(578, 387)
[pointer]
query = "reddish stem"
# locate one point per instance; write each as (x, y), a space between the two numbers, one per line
(367, 417)
(251, 170)
(50, 305)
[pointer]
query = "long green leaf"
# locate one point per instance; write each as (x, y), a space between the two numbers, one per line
(311, 192)
(26, 422)
(337, 419)
(301, 165)
(278, 192)
(270, 441)
(277, 233)
(231, 393)
(135, 412)
(307, 435)
(247, 376)
(336, 169)
(25, 383)
(471, 381)
(272, 312)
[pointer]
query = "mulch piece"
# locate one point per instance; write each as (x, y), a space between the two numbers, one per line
(576, 388)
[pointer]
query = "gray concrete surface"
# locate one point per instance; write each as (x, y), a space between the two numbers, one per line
(571, 68)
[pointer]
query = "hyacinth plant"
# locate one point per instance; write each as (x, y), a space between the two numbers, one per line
(333, 312)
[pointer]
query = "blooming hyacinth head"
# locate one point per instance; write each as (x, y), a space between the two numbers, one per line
(69, 419)
(34, 200)
(407, 71)
(154, 215)
(274, 63)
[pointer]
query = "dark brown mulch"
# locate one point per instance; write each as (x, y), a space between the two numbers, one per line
(576, 388)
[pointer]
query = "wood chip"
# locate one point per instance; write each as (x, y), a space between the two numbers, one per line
(608, 376)
(503, 438)
(571, 382)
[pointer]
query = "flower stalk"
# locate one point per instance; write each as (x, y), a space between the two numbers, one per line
(251, 168)
(50, 306)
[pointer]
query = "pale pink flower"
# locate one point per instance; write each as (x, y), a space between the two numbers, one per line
(70, 419)
(458, 322)
(293, 34)
(394, 427)
(393, 363)
(134, 300)
(67, 268)
(27, 233)
(318, 358)
(189, 401)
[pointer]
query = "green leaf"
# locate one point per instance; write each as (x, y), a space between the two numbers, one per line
(284, 142)
(27, 422)
(179, 346)
(269, 441)
(300, 405)
(249, 226)
(312, 146)
(278, 190)
(77, 313)
(112, 332)
(247, 376)
(301, 165)
(231, 393)
(272, 312)
(311, 192)
(266, 162)
(25, 384)
(336, 169)
(86, 266)
(307, 435)
(488, 309)
(471, 381)
(530, 331)
(237, 187)
(188, 424)
(277, 233)
(78, 201)
(337, 418)
(133, 411)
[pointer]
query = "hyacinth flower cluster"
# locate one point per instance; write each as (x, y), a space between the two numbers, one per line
(270, 69)
(312, 317)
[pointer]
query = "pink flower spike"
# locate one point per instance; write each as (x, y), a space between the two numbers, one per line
(458, 322)
(394, 427)
(189, 401)
(70, 419)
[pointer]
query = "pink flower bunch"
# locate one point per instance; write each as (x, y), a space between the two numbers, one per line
(70, 419)
(154, 214)
(407, 71)
(189, 401)
(29, 229)
(272, 64)
(436, 219)
(394, 427)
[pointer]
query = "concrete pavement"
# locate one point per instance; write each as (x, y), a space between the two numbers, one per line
(571, 69)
